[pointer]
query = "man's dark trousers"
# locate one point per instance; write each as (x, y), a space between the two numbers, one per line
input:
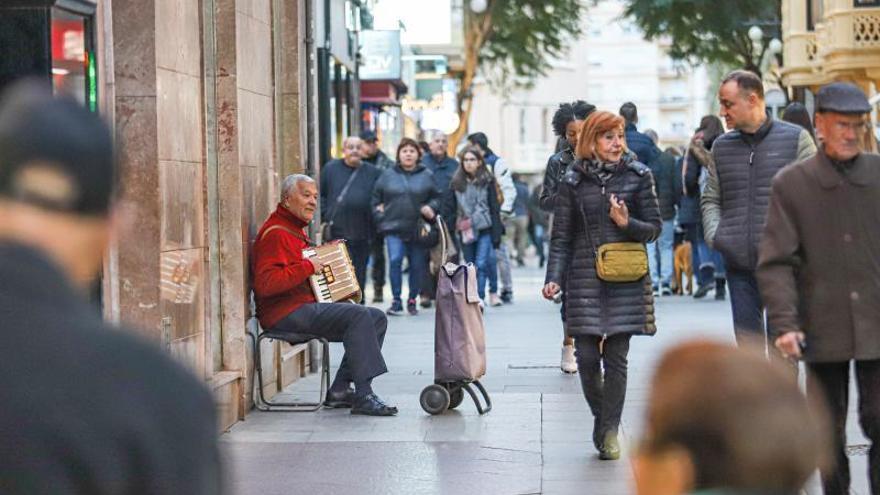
(360, 255)
(360, 329)
(377, 253)
(831, 380)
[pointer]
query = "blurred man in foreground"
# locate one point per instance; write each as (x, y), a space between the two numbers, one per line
(86, 408)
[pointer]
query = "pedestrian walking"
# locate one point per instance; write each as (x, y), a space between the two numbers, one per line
(371, 153)
(88, 408)
(505, 180)
(737, 193)
(479, 227)
(346, 191)
(404, 199)
(722, 421)
(606, 198)
(519, 239)
(819, 271)
(796, 113)
(644, 147)
(697, 163)
(668, 185)
(567, 122)
(539, 221)
(443, 167)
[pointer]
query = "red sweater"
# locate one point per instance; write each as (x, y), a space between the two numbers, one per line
(281, 275)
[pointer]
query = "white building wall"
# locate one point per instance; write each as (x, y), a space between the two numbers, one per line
(610, 64)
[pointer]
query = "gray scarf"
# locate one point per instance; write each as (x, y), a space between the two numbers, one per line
(473, 203)
(602, 168)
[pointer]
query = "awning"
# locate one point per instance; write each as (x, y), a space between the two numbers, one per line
(382, 93)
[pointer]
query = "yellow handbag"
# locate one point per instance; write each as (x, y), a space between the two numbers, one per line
(618, 262)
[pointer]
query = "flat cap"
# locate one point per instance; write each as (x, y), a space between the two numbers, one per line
(842, 97)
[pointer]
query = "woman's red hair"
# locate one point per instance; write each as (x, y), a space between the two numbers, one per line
(597, 124)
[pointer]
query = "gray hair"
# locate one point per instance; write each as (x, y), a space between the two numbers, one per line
(435, 133)
(349, 139)
(289, 183)
(652, 135)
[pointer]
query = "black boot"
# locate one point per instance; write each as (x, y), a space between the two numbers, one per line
(720, 289)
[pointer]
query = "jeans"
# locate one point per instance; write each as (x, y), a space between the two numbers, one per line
(538, 241)
(708, 263)
(360, 254)
(831, 380)
(749, 324)
(660, 254)
(502, 256)
(482, 254)
(360, 329)
(415, 255)
(605, 392)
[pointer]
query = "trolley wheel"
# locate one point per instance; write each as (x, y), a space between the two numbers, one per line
(434, 399)
(456, 395)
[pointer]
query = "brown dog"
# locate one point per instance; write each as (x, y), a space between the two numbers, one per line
(682, 265)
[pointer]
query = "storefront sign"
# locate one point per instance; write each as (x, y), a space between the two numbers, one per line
(380, 52)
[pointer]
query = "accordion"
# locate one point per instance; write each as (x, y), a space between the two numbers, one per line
(337, 281)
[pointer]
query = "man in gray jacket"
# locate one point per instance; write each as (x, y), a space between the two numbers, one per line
(819, 271)
(737, 194)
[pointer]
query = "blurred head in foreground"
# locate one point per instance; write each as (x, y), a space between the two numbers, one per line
(57, 178)
(720, 418)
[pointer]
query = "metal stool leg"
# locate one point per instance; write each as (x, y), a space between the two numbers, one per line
(263, 404)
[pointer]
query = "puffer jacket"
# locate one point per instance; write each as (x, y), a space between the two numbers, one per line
(595, 307)
(697, 158)
(557, 166)
(402, 195)
(737, 193)
(668, 184)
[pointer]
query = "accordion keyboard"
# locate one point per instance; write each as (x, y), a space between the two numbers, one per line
(337, 281)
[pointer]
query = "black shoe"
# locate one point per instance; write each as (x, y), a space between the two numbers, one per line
(507, 296)
(720, 289)
(425, 303)
(702, 291)
(411, 307)
(610, 450)
(396, 308)
(371, 405)
(377, 295)
(665, 290)
(339, 400)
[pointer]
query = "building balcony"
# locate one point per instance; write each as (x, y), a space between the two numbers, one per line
(802, 65)
(849, 41)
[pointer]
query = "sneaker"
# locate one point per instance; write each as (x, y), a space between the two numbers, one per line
(507, 296)
(411, 307)
(702, 291)
(656, 291)
(494, 300)
(720, 289)
(396, 308)
(568, 364)
(665, 290)
(425, 302)
(377, 295)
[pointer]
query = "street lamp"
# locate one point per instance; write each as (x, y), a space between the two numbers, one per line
(479, 6)
(756, 34)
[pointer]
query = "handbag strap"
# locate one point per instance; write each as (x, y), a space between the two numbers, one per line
(587, 228)
(341, 197)
(294, 233)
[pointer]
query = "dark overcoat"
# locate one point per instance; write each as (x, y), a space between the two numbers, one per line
(595, 307)
(819, 258)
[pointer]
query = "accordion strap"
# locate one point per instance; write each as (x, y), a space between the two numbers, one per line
(294, 233)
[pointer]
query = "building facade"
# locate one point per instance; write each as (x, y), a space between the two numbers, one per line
(212, 102)
(610, 64)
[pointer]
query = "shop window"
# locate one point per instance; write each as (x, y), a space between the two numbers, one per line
(74, 69)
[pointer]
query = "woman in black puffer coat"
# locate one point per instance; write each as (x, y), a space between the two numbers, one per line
(616, 195)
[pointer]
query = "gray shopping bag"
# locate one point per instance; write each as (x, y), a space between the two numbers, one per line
(459, 336)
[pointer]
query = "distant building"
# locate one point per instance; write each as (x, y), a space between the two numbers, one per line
(610, 64)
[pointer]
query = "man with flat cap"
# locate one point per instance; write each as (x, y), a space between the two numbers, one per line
(85, 409)
(819, 271)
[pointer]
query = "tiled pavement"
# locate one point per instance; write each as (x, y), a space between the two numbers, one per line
(535, 440)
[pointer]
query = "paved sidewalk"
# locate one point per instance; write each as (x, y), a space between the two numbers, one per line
(536, 440)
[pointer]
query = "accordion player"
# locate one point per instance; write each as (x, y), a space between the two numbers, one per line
(337, 281)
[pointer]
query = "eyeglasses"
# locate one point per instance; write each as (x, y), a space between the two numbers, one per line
(846, 126)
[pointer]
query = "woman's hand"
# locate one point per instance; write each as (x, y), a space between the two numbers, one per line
(619, 212)
(427, 212)
(550, 290)
(380, 208)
